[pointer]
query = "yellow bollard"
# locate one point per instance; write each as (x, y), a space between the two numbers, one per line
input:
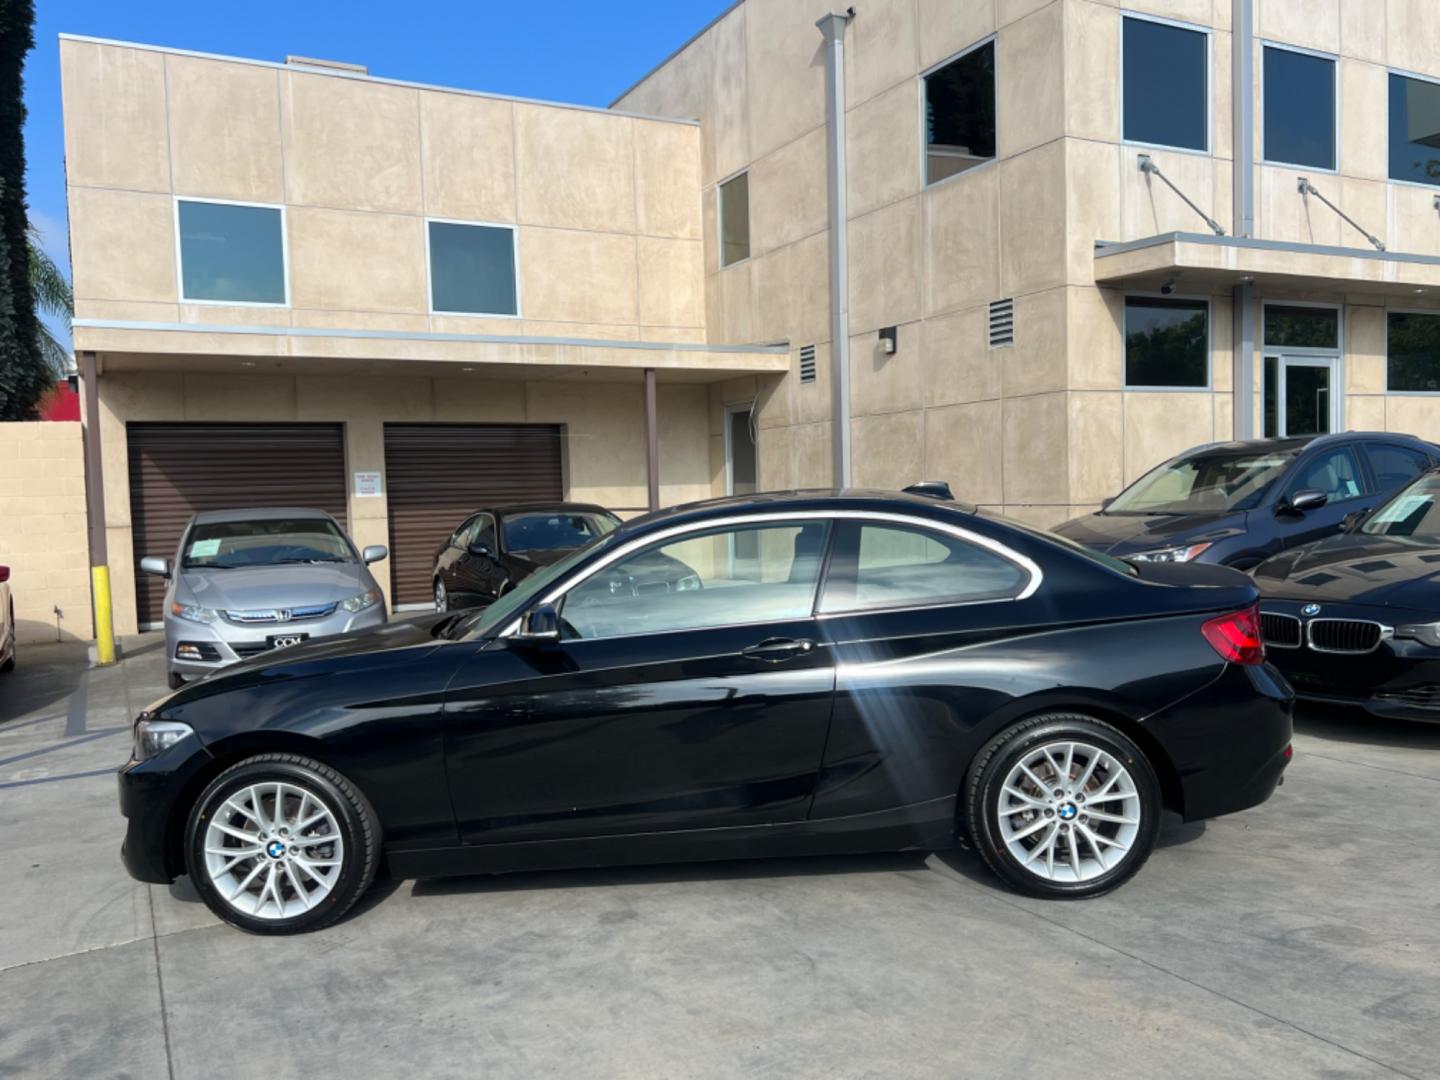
(104, 623)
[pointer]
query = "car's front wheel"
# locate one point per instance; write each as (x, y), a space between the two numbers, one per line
(1063, 806)
(281, 844)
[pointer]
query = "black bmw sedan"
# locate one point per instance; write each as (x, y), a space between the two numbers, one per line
(1239, 503)
(496, 547)
(1355, 619)
(810, 672)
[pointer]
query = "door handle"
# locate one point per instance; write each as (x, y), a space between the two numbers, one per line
(778, 650)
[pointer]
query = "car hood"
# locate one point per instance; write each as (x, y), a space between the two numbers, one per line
(1359, 569)
(289, 586)
(1124, 534)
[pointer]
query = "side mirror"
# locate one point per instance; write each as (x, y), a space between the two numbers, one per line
(374, 553)
(539, 626)
(153, 564)
(1304, 500)
(481, 550)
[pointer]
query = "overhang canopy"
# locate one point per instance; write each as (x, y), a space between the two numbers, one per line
(1205, 262)
(150, 346)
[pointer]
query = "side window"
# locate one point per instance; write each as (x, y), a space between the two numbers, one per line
(460, 538)
(483, 532)
(894, 566)
(1394, 465)
(742, 574)
(1334, 472)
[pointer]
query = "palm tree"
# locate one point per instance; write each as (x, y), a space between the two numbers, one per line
(52, 297)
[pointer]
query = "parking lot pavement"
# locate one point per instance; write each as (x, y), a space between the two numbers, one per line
(1299, 939)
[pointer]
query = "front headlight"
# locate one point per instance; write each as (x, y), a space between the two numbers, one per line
(1185, 553)
(191, 613)
(1425, 633)
(156, 736)
(360, 603)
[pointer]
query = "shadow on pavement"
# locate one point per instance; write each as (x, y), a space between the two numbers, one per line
(1339, 724)
(44, 678)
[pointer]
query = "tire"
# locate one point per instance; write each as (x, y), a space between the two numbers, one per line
(442, 598)
(1013, 814)
(277, 886)
(9, 665)
(174, 680)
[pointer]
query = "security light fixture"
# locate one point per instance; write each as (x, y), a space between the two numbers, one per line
(888, 342)
(1168, 289)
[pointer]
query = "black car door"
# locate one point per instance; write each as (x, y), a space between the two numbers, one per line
(448, 567)
(690, 689)
(1335, 470)
(480, 569)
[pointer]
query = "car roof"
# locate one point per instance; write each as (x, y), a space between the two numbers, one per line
(506, 509)
(266, 513)
(822, 499)
(1301, 442)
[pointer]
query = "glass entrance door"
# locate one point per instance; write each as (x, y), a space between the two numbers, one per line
(1300, 395)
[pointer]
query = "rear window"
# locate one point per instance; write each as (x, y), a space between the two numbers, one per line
(1120, 566)
(554, 531)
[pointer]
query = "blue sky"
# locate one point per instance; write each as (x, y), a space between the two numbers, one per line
(561, 50)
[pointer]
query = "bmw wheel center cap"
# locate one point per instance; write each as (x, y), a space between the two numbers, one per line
(275, 849)
(1066, 811)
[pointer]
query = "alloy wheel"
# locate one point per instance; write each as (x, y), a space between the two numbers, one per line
(1069, 811)
(273, 850)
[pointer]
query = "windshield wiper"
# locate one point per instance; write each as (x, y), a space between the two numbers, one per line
(290, 562)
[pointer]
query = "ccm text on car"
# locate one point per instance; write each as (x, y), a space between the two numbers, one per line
(1239, 503)
(247, 581)
(1355, 619)
(809, 672)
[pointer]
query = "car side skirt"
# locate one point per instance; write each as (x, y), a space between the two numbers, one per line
(928, 826)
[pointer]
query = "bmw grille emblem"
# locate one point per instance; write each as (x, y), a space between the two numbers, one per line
(275, 849)
(1310, 609)
(1066, 812)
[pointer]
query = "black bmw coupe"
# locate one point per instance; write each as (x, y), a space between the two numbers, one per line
(1355, 619)
(812, 672)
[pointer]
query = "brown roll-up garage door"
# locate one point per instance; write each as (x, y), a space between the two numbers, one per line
(437, 475)
(177, 470)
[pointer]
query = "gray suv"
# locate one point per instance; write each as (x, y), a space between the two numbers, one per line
(244, 582)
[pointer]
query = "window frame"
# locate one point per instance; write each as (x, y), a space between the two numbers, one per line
(1315, 54)
(923, 529)
(176, 200)
(925, 183)
(1180, 24)
(1434, 313)
(720, 220)
(999, 547)
(514, 262)
(1404, 74)
(1209, 301)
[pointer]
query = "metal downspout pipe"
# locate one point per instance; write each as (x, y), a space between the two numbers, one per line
(1242, 23)
(832, 28)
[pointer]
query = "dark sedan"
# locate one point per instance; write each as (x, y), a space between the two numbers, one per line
(1355, 619)
(1239, 503)
(832, 673)
(501, 545)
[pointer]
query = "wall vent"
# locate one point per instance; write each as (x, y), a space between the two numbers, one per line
(807, 363)
(1002, 323)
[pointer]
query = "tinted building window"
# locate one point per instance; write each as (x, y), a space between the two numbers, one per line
(1302, 327)
(1167, 342)
(1166, 85)
(1299, 109)
(1414, 352)
(472, 269)
(1414, 130)
(960, 114)
(231, 253)
(735, 219)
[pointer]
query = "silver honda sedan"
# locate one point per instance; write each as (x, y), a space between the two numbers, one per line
(244, 582)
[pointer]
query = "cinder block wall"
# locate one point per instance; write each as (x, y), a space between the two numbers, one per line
(43, 530)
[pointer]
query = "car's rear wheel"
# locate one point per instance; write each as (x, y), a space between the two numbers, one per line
(281, 844)
(442, 598)
(9, 664)
(1063, 806)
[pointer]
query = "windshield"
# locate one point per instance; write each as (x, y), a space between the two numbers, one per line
(535, 532)
(1120, 566)
(1414, 512)
(229, 545)
(491, 620)
(1212, 482)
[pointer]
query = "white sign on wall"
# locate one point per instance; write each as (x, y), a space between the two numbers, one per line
(367, 485)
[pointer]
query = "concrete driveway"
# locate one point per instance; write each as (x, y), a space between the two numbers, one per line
(1300, 939)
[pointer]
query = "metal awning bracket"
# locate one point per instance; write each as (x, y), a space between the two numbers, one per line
(1306, 189)
(1149, 168)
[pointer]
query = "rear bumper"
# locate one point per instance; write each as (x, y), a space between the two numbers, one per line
(150, 793)
(1230, 742)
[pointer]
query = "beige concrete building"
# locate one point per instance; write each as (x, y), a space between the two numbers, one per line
(1031, 247)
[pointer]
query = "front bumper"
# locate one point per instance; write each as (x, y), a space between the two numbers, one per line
(1398, 680)
(229, 643)
(150, 792)
(1229, 742)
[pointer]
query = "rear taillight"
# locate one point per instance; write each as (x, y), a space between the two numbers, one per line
(1236, 637)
